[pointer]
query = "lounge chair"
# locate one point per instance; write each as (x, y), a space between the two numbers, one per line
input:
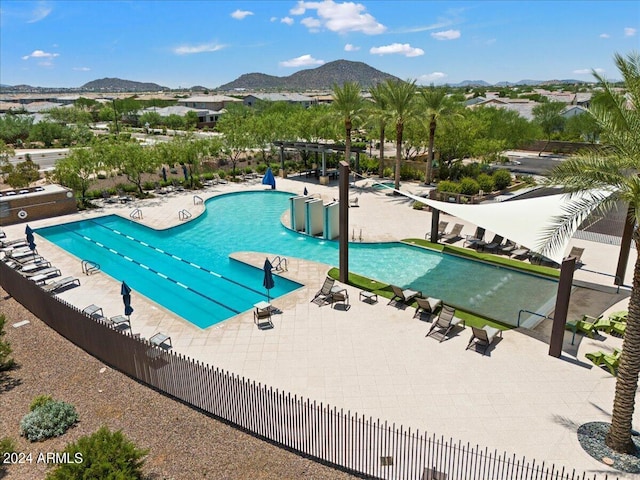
(484, 336)
(445, 321)
(586, 325)
(60, 284)
(262, 317)
(520, 253)
(353, 202)
(476, 240)
(428, 305)
(619, 328)
(620, 316)
(45, 275)
(454, 234)
(323, 295)
(405, 296)
(494, 244)
(507, 248)
(34, 267)
(340, 296)
(442, 227)
(120, 322)
(609, 360)
(161, 340)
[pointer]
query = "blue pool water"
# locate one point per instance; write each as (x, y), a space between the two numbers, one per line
(187, 268)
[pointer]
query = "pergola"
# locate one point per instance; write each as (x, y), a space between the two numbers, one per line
(317, 147)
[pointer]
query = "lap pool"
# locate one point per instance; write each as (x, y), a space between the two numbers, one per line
(187, 268)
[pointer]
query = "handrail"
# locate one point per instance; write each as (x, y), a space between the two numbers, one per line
(277, 262)
(88, 267)
(532, 313)
(197, 200)
(617, 281)
(136, 214)
(184, 214)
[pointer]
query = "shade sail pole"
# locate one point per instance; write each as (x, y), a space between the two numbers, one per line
(344, 221)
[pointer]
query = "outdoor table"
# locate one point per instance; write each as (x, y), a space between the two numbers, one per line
(370, 296)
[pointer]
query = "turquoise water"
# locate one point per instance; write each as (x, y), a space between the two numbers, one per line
(187, 268)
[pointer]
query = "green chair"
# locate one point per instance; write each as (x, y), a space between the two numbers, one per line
(586, 325)
(609, 360)
(619, 328)
(603, 325)
(620, 316)
(596, 357)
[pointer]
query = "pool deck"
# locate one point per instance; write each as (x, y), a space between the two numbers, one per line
(374, 359)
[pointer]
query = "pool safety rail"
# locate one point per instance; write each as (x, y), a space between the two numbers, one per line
(136, 214)
(346, 440)
(546, 317)
(89, 267)
(279, 264)
(184, 214)
(197, 200)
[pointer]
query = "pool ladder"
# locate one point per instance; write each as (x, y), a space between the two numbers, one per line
(89, 267)
(184, 214)
(279, 264)
(136, 214)
(197, 200)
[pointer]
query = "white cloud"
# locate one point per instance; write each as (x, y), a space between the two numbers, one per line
(604, 35)
(339, 17)
(446, 35)
(432, 77)
(287, 20)
(82, 69)
(630, 32)
(273, 19)
(399, 48)
(241, 14)
(311, 23)
(587, 71)
(40, 54)
(41, 12)
(301, 61)
(203, 48)
(351, 48)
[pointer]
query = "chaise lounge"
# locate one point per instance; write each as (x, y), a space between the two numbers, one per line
(405, 296)
(428, 305)
(484, 336)
(454, 234)
(445, 322)
(60, 284)
(323, 295)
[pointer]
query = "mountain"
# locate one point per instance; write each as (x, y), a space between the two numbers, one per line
(472, 83)
(320, 78)
(119, 85)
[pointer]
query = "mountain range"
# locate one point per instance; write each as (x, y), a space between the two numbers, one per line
(319, 78)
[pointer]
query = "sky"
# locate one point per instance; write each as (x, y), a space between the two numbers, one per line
(179, 44)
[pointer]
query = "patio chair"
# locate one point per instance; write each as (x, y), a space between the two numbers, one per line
(405, 296)
(442, 227)
(475, 240)
(494, 244)
(445, 322)
(323, 295)
(577, 252)
(609, 360)
(46, 274)
(454, 234)
(619, 328)
(262, 318)
(484, 336)
(620, 316)
(428, 305)
(60, 284)
(520, 253)
(507, 247)
(586, 325)
(340, 296)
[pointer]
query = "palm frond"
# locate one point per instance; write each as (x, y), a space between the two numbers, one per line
(591, 171)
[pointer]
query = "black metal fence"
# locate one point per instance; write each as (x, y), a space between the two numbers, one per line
(351, 442)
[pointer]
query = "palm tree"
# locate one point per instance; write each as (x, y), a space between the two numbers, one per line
(613, 168)
(401, 106)
(436, 105)
(379, 116)
(348, 103)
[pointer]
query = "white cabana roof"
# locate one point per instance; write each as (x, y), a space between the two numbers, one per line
(524, 222)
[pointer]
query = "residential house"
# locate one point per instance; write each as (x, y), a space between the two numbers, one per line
(208, 102)
(296, 98)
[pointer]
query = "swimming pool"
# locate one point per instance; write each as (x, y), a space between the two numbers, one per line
(187, 268)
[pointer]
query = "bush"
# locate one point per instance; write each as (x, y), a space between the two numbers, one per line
(387, 172)
(468, 186)
(486, 182)
(49, 420)
(149, 185)
(7, 445)
(261, 168)
(449, 187)
(6, 363)
(418, 205)
(104, 454)
(39, 401)
(502, 179)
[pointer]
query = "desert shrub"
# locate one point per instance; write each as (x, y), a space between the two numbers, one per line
(248, 170)
(7, 445)
(502, 179)
(486, 182)
(148, 185)
(409, 173)
(418, 205)
(104, 454)
(39, 401)
(471, 170)
(261, 168)
(449, 186)
(222, 174)
(469, 186)
(49, 420)
(387, 172)
(6, 363)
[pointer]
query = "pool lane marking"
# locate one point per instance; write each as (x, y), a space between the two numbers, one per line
(178, 258)
(161, 275)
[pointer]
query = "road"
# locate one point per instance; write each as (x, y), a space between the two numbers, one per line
(530, 163)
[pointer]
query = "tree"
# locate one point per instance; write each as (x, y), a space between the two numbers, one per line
(77, 171)
(348, 104)
(378, 117)
(436, 105)
(613, 168)
(20, 175)
(547, 115)
(402, 103)
(237, 136)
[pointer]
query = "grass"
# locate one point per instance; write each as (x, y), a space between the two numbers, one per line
(384, 290)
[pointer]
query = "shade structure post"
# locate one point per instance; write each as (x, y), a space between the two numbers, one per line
(562, 306)
(343, 220)
(435, 221)
(625, 248)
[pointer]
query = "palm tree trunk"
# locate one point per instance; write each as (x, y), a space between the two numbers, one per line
(381, 162)
(399, 128)
(432, 136)
(619, 436)
(347, 142)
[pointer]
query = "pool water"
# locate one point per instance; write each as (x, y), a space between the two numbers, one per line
(187, 268)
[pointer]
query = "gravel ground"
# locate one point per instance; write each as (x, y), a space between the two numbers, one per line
(183, 443)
